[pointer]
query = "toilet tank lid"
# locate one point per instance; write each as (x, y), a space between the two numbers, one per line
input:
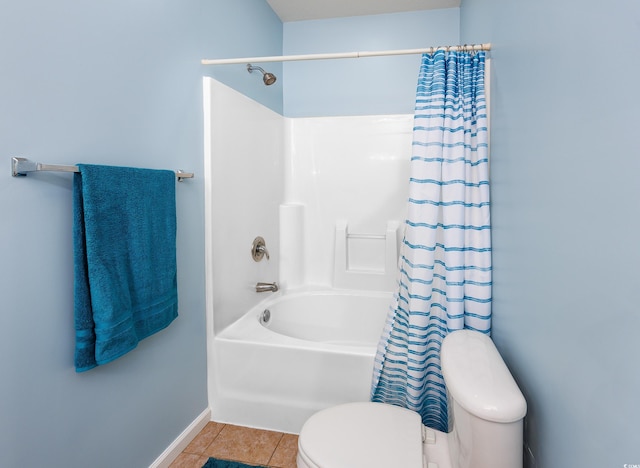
(478, 379)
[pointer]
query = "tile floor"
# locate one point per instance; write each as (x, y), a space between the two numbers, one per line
(243, 444)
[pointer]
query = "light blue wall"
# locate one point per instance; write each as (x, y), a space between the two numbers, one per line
(115, 82)
(565, 170)
(246, 28)
(375, 85)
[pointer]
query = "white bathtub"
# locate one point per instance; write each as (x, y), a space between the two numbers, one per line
(315, 351)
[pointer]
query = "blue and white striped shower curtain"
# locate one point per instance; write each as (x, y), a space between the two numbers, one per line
(444, 278)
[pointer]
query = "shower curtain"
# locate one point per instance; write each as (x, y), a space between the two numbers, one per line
(444, 270)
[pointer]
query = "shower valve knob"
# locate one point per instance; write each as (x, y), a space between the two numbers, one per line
(259, 249)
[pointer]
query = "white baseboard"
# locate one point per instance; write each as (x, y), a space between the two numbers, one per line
(181, 442)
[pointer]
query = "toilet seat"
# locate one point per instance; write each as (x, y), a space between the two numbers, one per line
(367, 435)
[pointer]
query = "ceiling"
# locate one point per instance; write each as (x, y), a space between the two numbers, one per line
(298, 10)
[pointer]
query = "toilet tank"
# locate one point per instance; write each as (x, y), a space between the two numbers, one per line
(485, 403)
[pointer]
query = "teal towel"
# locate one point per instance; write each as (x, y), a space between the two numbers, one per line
(124, 236)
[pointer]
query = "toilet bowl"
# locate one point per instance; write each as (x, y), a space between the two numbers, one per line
(485, 405)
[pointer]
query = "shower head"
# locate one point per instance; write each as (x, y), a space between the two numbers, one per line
(268, 78)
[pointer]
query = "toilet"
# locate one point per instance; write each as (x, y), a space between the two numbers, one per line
(485, 405)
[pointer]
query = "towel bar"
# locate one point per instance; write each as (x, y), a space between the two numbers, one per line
(22, 166)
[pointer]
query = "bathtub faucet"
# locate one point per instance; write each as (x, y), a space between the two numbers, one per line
(264, 287)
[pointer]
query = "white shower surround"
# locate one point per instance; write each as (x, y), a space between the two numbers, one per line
(351, 168)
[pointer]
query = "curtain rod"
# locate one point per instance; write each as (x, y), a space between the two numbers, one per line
(341, 55)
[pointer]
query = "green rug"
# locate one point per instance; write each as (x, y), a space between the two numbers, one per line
(215, 463)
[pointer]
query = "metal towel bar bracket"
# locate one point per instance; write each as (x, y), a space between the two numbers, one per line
(20, 167)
